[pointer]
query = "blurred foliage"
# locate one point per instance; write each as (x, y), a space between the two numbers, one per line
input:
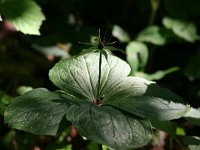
(26, 16)
(168, 29)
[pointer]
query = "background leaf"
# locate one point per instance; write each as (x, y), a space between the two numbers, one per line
(152, 34)
(38, 111)
(184, 29)
(156, 75)
(120, 34)
(23, 89)
(4, 101)
(54, 50)
(27, 16)
(108, 126)
(137, 55)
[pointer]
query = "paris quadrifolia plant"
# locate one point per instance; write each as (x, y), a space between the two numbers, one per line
(99, 98)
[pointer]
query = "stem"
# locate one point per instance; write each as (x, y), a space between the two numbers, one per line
(170, 143)
(15, 146)
(99, 78)
(100, 147)
(179, 142)
(154, 6)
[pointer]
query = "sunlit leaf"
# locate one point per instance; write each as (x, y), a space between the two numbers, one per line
(146, 99)
(104, 147)
(156, 75)
(120, 34)
(184, 29)
(79, 76)
(180, 131)
(152, 34)
(193, 115)
(137, 55)
(134, 95)
(194, 147)
(25, 15)
(23, 89)
(69, 147)
(119, 118)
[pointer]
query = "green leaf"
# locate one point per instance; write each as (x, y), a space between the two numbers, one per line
(53, 50)
(120, 34)
(167, 126)
(4, 98)
(180, 131)
(119, 121)
(194, 147)
(137, 55)
(104, 147)
(25, 15)
(4, 101)
(79, 76)
(193, 115)
(108, 126)
(156, 75)
(191, 140)
(68, 147)
(38, 111)
(184, 29)
(131, 94)
(93, 146)
(23, 89)
(146, 99)
(152, 34)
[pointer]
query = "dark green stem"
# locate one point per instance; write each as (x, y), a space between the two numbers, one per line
(170, 143)
(154, 6)
(100, 147)
(99, 78)
(179, 142)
